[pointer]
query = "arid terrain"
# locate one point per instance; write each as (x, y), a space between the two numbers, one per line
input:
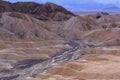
(48, 42)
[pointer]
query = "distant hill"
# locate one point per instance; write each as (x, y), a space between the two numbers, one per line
(40, 11)
(94, 6)
(112, 8)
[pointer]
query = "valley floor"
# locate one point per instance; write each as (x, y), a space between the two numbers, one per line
(94, 66)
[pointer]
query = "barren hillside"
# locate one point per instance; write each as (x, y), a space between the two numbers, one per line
(48, 42)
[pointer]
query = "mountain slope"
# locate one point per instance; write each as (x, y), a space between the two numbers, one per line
(23, 27)
(47, 40)
(45, 11)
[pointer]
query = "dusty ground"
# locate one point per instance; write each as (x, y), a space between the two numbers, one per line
(100, 64)
(57, 43)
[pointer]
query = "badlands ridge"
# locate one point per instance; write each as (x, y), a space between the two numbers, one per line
(48, 42)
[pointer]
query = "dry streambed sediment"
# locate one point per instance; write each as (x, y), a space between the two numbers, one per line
(41, 44)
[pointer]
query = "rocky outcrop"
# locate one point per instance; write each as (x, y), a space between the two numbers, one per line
(45, 11)
(47, 39)
(18, 26)
(77, 26)
(99, 15)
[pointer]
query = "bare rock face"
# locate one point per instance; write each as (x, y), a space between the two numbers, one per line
(21, 26)
(43, 11)
(5, 6)
(47, 42)
(77, 26)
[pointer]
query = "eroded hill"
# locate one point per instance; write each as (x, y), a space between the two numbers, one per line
(45, 41)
